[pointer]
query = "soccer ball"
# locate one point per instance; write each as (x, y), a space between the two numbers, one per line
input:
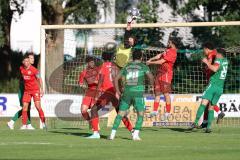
(134, 13)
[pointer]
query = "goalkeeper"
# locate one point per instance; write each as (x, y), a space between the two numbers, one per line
(123, 54)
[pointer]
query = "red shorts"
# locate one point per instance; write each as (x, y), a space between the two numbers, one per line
(89, 98)
(88, 101)
(163, 84)
(27, 96)
(108, 96)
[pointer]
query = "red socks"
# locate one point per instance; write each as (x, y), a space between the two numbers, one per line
(127, 123)
(24, 117)
(155, 106)
(168, 108)
(216, 108)
(94, 123)
(41, 115)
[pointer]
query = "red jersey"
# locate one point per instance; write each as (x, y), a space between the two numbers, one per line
(90, 75)
(211, 56)
(108, 70)
(30, 78)
(170, 56)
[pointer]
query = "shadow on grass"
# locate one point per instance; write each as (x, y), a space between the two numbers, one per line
(71, 133)
(71, 128)
(183, 130)
(77, 134)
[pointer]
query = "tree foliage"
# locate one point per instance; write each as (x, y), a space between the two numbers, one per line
(216, 10)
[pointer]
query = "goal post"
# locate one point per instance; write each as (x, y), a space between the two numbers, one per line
(91, 39)
(110, 26)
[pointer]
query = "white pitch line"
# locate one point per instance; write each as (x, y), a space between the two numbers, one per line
(25, 143)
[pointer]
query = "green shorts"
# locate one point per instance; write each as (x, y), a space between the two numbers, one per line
(132, 98)
(212, 93)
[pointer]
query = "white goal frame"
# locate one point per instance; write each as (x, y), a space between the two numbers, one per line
(110, 26)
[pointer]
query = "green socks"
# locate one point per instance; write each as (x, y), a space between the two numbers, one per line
(19, 114)
(199, 113)
(139, 123)
(210, 118)
(117, 122)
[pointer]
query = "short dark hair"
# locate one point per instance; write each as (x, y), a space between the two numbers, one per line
(137, 54)
(107, 55)
(174, 41)
(25, 57)
(222, 51)
(30, 54)
(208, 45)
(89, 59)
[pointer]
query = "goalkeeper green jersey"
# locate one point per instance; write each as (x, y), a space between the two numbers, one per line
(218, 78)
(134, 73)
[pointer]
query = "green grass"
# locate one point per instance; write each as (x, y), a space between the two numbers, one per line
(157, 143)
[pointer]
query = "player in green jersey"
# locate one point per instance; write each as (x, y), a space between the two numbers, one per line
(134, 75)
(214, 89)
(20, 95)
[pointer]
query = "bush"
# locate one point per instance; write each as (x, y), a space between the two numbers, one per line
(9, 86)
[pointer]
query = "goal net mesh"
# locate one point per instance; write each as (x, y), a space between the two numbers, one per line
(67, 49)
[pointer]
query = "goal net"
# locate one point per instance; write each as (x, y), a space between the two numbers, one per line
(64, 50)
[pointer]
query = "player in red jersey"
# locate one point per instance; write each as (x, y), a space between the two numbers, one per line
(18, 114)
(90, 77)
(108, 71)
(210, 53)
(164, 77)
(32, 88)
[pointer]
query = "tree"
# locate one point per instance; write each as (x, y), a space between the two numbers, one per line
(59, 12)
(216, 10)
(6, 15)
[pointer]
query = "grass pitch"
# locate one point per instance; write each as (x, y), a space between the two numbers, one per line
(157, 143)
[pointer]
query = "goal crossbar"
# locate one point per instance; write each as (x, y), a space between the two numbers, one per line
(109, 26)
(143, 25)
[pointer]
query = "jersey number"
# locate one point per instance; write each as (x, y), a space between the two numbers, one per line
(132, 77)
(224, 72)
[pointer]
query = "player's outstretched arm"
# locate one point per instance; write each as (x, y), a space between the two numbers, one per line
(160, 61)
(213, 67)
(127, 35)
(157, 57)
